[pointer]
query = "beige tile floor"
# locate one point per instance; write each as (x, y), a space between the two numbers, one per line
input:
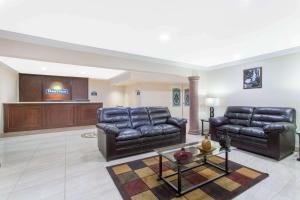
(63, 165)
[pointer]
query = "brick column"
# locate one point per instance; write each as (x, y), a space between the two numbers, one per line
(194, 105)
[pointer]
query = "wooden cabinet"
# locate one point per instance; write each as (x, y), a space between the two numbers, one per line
(86, 114)
(60, 115)
(27, 116)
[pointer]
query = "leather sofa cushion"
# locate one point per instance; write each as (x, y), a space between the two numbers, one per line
(139, 117)
(253, 131)
(266, 115)
(279, 127)
(179, 122)
(117, 116)
(128, 134)
(230, 128)
(168, 128)
(108, 128)
(239, 115)
(149, 130)
(159, 115)
(218, 121)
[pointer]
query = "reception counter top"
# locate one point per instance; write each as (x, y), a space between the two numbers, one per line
(25, 116)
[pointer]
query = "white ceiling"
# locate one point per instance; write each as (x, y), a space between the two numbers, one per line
(201, 32)
(58, 69)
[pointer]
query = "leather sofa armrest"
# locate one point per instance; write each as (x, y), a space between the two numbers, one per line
(279, 127)
(218, 121)
(177, 121)
(108, 128)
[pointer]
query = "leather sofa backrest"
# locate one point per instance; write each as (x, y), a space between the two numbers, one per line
(239, 115)
(158, 115)
(139, 117)
(118, 116)
(263, 116)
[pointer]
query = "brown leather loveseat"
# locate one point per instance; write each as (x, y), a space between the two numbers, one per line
(128, 131)
(268, 131)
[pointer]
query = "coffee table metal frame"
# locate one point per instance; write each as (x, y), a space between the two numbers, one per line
(202, 125)
(180, 172)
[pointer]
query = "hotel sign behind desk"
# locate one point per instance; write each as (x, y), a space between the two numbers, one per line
(38, 88)
(56, 92)
(57, 89)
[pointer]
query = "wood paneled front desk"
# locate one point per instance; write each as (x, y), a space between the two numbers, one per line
(25, 116)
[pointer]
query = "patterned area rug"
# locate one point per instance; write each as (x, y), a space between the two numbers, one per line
(89, 135)
(137, 180)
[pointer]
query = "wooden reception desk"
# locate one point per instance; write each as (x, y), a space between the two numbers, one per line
(25, 116)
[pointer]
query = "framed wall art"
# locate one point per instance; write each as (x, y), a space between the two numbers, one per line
(176, 97)
(187, 97)
(252, 78)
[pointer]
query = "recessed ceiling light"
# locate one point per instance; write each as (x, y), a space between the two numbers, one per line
(164, 37)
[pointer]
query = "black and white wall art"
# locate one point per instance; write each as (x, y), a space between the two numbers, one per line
(252, 78)
(176, 97)
(186, 97)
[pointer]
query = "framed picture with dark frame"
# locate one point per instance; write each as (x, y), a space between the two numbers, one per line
(187, 97)
(176, 96)
(252, 78)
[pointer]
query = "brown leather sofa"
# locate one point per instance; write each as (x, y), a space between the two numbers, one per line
(268, 131)
(128, 131)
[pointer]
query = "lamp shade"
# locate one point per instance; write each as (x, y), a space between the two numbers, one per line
(211, 101)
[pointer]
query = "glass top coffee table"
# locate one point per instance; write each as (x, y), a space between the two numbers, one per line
(199, 158)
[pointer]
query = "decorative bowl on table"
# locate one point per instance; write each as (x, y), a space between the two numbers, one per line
(206, 145)
(183, 155)
(207, 150)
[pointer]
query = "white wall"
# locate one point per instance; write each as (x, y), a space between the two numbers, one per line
(155, 94)
(130, 77)
(160, 94)
(8, 89)
(281, 85)
(111, 96)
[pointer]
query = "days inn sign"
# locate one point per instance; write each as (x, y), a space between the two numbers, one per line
(57, 89)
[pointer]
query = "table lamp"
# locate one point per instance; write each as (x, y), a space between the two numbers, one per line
(211, 102)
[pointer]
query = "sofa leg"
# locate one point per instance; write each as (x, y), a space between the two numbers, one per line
(299, 147)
